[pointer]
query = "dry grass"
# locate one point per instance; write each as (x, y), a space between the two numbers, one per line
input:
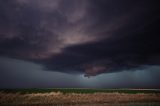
(50, 99)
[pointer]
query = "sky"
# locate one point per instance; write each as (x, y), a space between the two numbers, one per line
(79, 44)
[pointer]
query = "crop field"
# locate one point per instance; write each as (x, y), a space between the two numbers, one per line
(79, 97)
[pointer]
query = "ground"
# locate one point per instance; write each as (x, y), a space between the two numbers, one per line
(79, 97)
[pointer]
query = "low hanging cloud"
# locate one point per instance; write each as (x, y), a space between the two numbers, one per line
(81, 36)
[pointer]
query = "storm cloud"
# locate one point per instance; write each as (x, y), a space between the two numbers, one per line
(81, 36)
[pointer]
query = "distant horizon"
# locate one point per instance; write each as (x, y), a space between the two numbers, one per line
(88, 88)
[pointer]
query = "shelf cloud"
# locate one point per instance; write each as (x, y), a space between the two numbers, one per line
(81, 36)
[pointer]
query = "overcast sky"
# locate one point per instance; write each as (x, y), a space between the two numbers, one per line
(79, 43)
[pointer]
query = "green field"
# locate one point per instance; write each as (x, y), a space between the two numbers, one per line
(81, 90)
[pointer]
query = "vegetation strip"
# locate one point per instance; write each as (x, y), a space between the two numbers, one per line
(128, 91)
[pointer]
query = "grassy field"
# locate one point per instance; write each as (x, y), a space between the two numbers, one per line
(82, 91)
(79, 97)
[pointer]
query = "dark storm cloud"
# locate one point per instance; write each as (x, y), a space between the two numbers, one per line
(131, 40)
(81, 36)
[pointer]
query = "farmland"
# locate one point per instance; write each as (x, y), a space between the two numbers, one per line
(79, 97)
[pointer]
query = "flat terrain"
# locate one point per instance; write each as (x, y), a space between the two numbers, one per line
(79, 97)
